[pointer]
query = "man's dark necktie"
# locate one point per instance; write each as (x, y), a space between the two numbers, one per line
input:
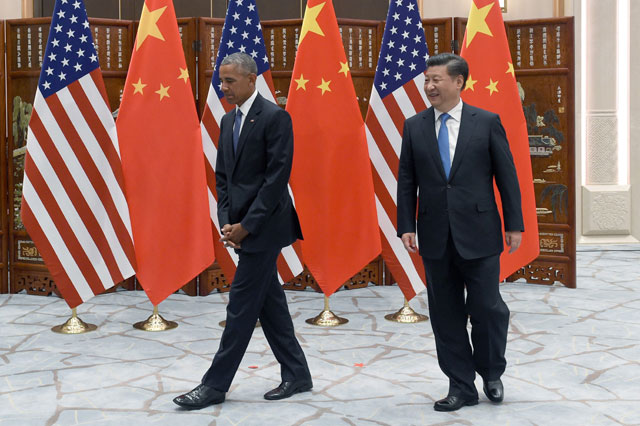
(236, 129)
(443, 143)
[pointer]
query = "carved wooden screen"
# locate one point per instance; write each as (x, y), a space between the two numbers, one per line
(542, 54)
(188, 28)
(4, 288)
(26, 41)
(209, 34)
(438, 33)
(362, 40)
(281, 40)
(459, 27)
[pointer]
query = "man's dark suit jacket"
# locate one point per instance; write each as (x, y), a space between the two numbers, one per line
(465, 203)
(252, 183)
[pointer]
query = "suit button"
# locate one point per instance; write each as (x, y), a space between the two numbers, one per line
(448, 186)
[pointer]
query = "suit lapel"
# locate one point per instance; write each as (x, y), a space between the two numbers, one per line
(429, 129)
(249, 124)
(467, 124)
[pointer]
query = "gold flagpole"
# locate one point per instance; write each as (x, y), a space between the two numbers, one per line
(74, 325)
(326, 318)
(406, 315)
(155, 322)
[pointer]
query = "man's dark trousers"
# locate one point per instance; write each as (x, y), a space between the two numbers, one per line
(256, 294)
(447, 279)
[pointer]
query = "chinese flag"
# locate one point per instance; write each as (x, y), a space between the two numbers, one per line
(492, 85)
(161, 150)
(331, 177)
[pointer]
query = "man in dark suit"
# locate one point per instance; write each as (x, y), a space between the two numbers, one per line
(257, 216)
(451, 153)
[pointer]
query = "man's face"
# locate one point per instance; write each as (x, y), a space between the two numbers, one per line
(237, 84)
(443, 91)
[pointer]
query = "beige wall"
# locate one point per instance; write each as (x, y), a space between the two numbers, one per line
(10, 9)
(634, 119)
(516, 9)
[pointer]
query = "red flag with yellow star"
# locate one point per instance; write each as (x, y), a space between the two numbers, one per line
(331, 177)
(161, 149)
(492, 85)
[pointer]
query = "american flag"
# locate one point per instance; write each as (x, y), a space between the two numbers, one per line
(242, 32)
(73, 202)
(397, 94)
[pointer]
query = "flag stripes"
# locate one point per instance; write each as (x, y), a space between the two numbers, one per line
(397, 94)
(73, 203)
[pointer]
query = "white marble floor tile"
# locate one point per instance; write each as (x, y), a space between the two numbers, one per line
(573, 359)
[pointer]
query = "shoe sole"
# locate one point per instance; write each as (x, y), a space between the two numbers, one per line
(466, 404)
(299, 390)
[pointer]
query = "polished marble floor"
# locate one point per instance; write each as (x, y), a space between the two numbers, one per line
(574, 359)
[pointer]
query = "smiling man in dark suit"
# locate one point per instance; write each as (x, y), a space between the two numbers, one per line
(451, 153)
(257, 216)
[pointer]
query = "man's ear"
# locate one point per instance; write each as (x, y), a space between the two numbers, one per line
(253, 78)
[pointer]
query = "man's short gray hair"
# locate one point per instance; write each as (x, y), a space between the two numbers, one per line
(244, 61)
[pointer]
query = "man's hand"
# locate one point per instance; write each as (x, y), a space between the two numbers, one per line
(232, 235)
(409, 241)
(513, 238)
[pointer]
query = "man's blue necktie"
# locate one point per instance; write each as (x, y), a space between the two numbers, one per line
(236, 129)
(443, 143)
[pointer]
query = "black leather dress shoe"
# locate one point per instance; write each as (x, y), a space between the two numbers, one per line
(453, 403)
(494, 390)
(286, 389)
(201, 396)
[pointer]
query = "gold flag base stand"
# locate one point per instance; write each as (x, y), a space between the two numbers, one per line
(74, 325)
(155, 323)
(406, 315)
(326, 318)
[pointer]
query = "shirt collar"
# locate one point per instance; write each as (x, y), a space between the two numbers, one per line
(246, 106)
(455, 112)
